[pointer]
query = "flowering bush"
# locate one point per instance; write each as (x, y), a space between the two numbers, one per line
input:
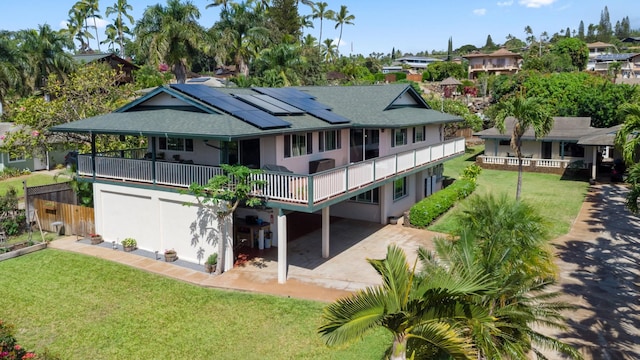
(9, 349)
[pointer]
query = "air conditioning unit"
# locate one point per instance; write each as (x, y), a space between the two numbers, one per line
(321, 165)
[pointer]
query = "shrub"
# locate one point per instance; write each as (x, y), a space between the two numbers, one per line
(212, 259)
(9, 347)
(428, 209)
(129, 242)
(471, 172)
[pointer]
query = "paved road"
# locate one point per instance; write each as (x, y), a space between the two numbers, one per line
(600, 273)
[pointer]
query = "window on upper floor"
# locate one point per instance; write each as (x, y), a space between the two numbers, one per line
(329, 140)
(399, 137)
(418, 134)
(297, 145)
(175, 144)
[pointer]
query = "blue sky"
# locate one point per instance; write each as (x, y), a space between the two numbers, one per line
(380, 26)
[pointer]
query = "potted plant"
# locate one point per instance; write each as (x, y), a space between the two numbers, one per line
(210, 264)
(95, 239)
(129, 244)
(170, 255)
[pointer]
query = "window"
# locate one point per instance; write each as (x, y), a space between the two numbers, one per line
(573, 150)
(505, 143)
(16, 157)
(369, 197)
(399, 137)
(329, 140)
(399, 188)
(297, 145)
(175, 144)
(418, 134)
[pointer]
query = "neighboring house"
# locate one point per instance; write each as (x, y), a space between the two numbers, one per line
(33, 162)
(554, 153)
(416, 63)
(629, 64)
(124, 67)
(392, 69)
(499, 62)
(600, 48)
(359, 152)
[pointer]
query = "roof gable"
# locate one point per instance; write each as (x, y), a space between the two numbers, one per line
(163, 97)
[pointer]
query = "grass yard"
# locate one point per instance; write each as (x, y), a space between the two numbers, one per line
(81, 307)
(557, 199)
(34, 179)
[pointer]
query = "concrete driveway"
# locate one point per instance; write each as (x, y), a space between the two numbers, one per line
(599, 262)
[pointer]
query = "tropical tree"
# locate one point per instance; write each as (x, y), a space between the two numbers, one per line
(342, 18)
(417, 310)
(45, 49)
(120, 8)
(528, 113)
(214, 3)
(506, 240)
(329, 50)
(628, 139)
(91, 9)
(76, 29)
(320, 10)
(170, 34)
(14, 67)
(221, 196)
(242, 33)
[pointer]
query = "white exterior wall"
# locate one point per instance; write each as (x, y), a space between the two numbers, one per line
(268, 150)
(357, 211)
(433, 135)
(158, 220)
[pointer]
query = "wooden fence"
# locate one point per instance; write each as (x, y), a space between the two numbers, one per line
(77, 220)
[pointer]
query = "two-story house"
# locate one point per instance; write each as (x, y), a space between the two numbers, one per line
(360, 152)
(501, 61)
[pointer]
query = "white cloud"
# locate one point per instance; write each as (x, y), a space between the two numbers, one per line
(479, 12)
(100, 23)
(536, 3)
(505, 3)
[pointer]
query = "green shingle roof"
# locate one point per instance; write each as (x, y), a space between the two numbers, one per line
(365, 106)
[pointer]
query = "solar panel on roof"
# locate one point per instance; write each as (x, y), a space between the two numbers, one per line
(232, 106)
(304, 101)
(269, 106)
(328, 116)
(198, 80)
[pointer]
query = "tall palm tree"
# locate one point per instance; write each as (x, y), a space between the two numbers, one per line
(76, 28)
(92, 10)
(528, 113)
(45, 49)
(342, 18)
(120, 8)
(242, 33)
(628, 139)
(320, 11)
(171, 34)
(506, 240)
(421, 309)
(214, 3)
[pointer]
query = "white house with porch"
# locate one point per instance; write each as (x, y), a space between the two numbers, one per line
(360, 152)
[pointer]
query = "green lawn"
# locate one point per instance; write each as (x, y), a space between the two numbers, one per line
(32, 180)
(81, 307)
(557, 199)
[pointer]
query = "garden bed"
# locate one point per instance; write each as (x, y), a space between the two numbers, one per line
(19, 249)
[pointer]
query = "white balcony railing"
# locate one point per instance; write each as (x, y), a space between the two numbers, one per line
(527, 162)
(297, 188)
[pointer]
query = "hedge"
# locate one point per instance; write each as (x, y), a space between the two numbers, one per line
(428, 209)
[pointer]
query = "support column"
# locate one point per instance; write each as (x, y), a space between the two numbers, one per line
(325, 232)
(227, 237)
(594, 162)
(282, 247)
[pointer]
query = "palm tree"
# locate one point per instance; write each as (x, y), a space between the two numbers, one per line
(45, 49)
(92, 9)
(320, 11)
(330, 50)
(416, 308)
(215, 3)
(528, 113)
(112, 37)
(76, 28)
(170, 34)
(628, 140)
(506, 240)
(14, 67)
(342, 18)
(242, 33)
(120, 8)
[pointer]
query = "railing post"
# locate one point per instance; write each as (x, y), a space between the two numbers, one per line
(346, 179)
(93, 155)
(153, 159)
(310, 192)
